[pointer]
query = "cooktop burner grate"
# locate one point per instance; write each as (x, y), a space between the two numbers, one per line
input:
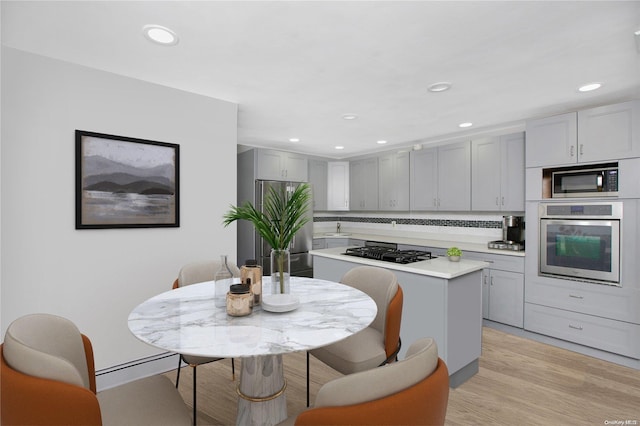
(388, 254)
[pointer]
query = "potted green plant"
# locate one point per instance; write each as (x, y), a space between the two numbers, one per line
(284, 213)
(454, 254)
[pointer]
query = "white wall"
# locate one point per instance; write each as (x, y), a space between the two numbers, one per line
(95, 277)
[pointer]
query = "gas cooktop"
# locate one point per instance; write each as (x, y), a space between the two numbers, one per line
(389, 254)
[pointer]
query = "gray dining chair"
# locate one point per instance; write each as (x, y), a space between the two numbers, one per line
(379, 343)
(193, 273)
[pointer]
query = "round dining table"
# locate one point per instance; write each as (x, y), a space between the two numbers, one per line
(188, 321)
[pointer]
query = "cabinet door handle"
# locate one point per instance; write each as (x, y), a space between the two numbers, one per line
(435, 202)
(491, 280)
(503, 201)
(497, 201)
(581, 150)
(576, 296)
(571, 151)
(575, 327)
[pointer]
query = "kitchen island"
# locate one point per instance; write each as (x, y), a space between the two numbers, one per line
(442, 299)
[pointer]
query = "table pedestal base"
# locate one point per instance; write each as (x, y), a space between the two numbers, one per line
(262, 400)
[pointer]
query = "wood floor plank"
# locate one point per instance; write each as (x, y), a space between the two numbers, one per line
(519, 382)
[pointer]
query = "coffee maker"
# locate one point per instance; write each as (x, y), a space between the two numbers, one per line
(512, 234)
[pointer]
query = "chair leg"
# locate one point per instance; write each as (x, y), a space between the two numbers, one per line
(194, 394)
(307, 378)
(233, 370)
(178, 373)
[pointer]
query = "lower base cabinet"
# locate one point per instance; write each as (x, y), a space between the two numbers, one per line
(503, 297)
(619, 337)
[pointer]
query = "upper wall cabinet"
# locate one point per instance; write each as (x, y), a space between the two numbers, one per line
(318, 179)
(605, 133)
(441, 178)
(393, 181)
(363, 184)
(610, 132)
(281, 165)
(497, 170)
(338, 185)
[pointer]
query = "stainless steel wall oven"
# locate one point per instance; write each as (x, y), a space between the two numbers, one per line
(581, 241)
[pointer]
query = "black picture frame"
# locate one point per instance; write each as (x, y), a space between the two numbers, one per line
(124, 182)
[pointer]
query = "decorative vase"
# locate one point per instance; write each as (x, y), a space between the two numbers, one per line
(454, 258)
(280, 271)
(222, 281)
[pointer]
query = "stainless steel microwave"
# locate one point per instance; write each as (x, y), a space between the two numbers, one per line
(596, 182)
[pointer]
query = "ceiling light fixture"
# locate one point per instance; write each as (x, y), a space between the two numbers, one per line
(339, 147)
(349, 116)
(294, 140)
(381, 142)
(589, 87)
(463, 125)
(439, 87)
(160, 35)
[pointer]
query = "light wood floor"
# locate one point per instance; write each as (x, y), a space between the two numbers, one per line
(520, 382)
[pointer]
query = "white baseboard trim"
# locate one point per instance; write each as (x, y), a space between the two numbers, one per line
(120, 374)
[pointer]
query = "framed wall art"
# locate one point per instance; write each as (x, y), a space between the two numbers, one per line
(124, 182)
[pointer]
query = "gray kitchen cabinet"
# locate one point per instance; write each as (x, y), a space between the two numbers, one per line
(281, 165)
(609, 132)
(338, 185)
(318, 176)
(319, 244)
(502, 288)
(441, 178)
(363, 184)
(393, 181)
(337, 242)
(604, 133)
(503, 297)
(552, 140)
(497, 165)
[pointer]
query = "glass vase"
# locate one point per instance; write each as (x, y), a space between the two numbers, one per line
(223, 280)
(280, 271)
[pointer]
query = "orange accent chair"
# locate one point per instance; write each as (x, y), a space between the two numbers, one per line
(48, 378)
(414, 391)
(193, 273)
(379, 343)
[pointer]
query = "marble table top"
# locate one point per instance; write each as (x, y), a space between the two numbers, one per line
(186, 320)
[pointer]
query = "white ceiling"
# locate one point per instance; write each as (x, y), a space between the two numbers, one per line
(295, 67)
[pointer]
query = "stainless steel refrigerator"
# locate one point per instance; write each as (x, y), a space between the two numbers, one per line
(252, 246)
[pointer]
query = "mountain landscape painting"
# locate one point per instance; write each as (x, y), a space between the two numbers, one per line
(125, 182)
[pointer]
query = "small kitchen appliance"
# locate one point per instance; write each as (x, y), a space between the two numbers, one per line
(512, 234)
(591, 182)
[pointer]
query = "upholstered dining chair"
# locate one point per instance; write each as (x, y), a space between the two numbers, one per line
(48, 378)
(193, 273)
(413, 391)
(377, 344)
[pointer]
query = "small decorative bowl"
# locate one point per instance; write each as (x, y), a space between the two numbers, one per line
(454, 258)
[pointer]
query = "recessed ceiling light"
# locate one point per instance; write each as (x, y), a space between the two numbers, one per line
(382, 142)
(339, 147)
(589, 87)
(467, 124)
(349, 116)
(439, 87)
(160, 35)
(294, 140)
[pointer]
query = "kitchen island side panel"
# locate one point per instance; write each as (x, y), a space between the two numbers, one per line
(450, 311)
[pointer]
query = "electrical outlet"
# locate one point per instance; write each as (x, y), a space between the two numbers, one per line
(393, 223)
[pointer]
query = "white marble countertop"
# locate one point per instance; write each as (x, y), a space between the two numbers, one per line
(186, 320)
(440, 267)
(442, 241)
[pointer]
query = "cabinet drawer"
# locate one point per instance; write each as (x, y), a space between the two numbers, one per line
(592, 299)
(613, 336)
(319, 243)
(497, 261)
